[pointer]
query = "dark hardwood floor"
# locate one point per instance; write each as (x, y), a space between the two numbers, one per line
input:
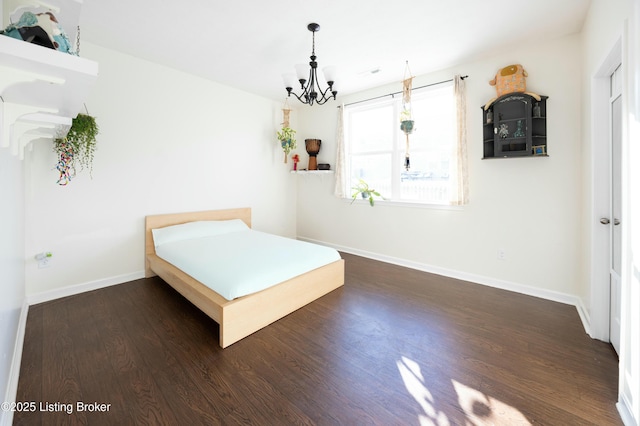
(394, 346)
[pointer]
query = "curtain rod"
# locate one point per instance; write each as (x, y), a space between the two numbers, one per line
(397, 93)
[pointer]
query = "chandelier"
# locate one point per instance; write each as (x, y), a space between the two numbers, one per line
(309, 83)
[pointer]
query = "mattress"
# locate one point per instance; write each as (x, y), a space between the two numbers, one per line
(241, 262)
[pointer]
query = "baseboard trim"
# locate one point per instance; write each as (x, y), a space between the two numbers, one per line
(584, 317)
(625, 413)
(58, 293)
(16, 360)
(554, 296)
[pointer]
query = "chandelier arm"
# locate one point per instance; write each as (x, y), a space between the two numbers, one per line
(322, 96)
(331, 92)
(322, 100)
(301, 98)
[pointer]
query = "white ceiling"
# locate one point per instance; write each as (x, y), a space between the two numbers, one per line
(249, 44)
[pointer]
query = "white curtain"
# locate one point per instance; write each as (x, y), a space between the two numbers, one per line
(340, 165)
(461, 195)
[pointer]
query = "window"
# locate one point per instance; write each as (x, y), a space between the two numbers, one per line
(375, 147)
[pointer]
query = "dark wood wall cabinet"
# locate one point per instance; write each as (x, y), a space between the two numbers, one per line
(515, 125)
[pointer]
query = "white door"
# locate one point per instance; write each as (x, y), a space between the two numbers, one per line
(616, 207)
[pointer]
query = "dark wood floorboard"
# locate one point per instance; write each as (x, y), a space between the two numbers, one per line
(394, 346)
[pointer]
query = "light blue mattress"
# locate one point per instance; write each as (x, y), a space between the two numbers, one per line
(238, 263)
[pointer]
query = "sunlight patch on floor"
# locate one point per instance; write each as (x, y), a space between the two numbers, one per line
(478, 408)
(414, 382)
(481, 407)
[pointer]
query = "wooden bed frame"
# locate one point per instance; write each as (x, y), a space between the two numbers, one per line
(245, 315)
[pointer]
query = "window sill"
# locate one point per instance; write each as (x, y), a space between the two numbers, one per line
(408, 204)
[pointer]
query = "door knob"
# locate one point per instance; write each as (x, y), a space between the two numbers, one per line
(616, 221)
(605, 221)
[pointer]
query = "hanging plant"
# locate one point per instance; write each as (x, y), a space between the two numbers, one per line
(406, 123)
(77, 147)
(287, 139)
(286, 135)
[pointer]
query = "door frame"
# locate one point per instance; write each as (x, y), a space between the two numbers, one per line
(601, 194)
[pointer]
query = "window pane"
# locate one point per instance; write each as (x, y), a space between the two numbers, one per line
(371, 129)
(426, 180)
(435, 120)
(374, 169)
(431, 147)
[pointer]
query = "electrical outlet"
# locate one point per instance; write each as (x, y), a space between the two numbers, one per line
(44, 259)
(501, 254)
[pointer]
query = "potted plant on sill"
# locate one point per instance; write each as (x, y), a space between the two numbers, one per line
(365, 192)
(287, 139)
(76, 147)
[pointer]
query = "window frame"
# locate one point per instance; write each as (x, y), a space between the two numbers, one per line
(396, 149)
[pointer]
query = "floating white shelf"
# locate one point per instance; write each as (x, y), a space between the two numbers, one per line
(41, 88)
(312, 172)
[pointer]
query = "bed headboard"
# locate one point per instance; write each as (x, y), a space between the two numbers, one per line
(162, 220)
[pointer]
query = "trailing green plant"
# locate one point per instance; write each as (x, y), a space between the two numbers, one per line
(287, 139)
(77, 147)
(362, 188)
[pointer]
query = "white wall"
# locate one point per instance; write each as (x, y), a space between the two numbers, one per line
(530, 207)
(12, 279)
(168, 142)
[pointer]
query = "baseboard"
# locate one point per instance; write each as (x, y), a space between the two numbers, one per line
(584, 316)
(14, 373)
(58, 293)
(625, 413)
(478, 279)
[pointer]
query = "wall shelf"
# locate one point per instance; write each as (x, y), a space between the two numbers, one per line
(515, 125)
(312, 172)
